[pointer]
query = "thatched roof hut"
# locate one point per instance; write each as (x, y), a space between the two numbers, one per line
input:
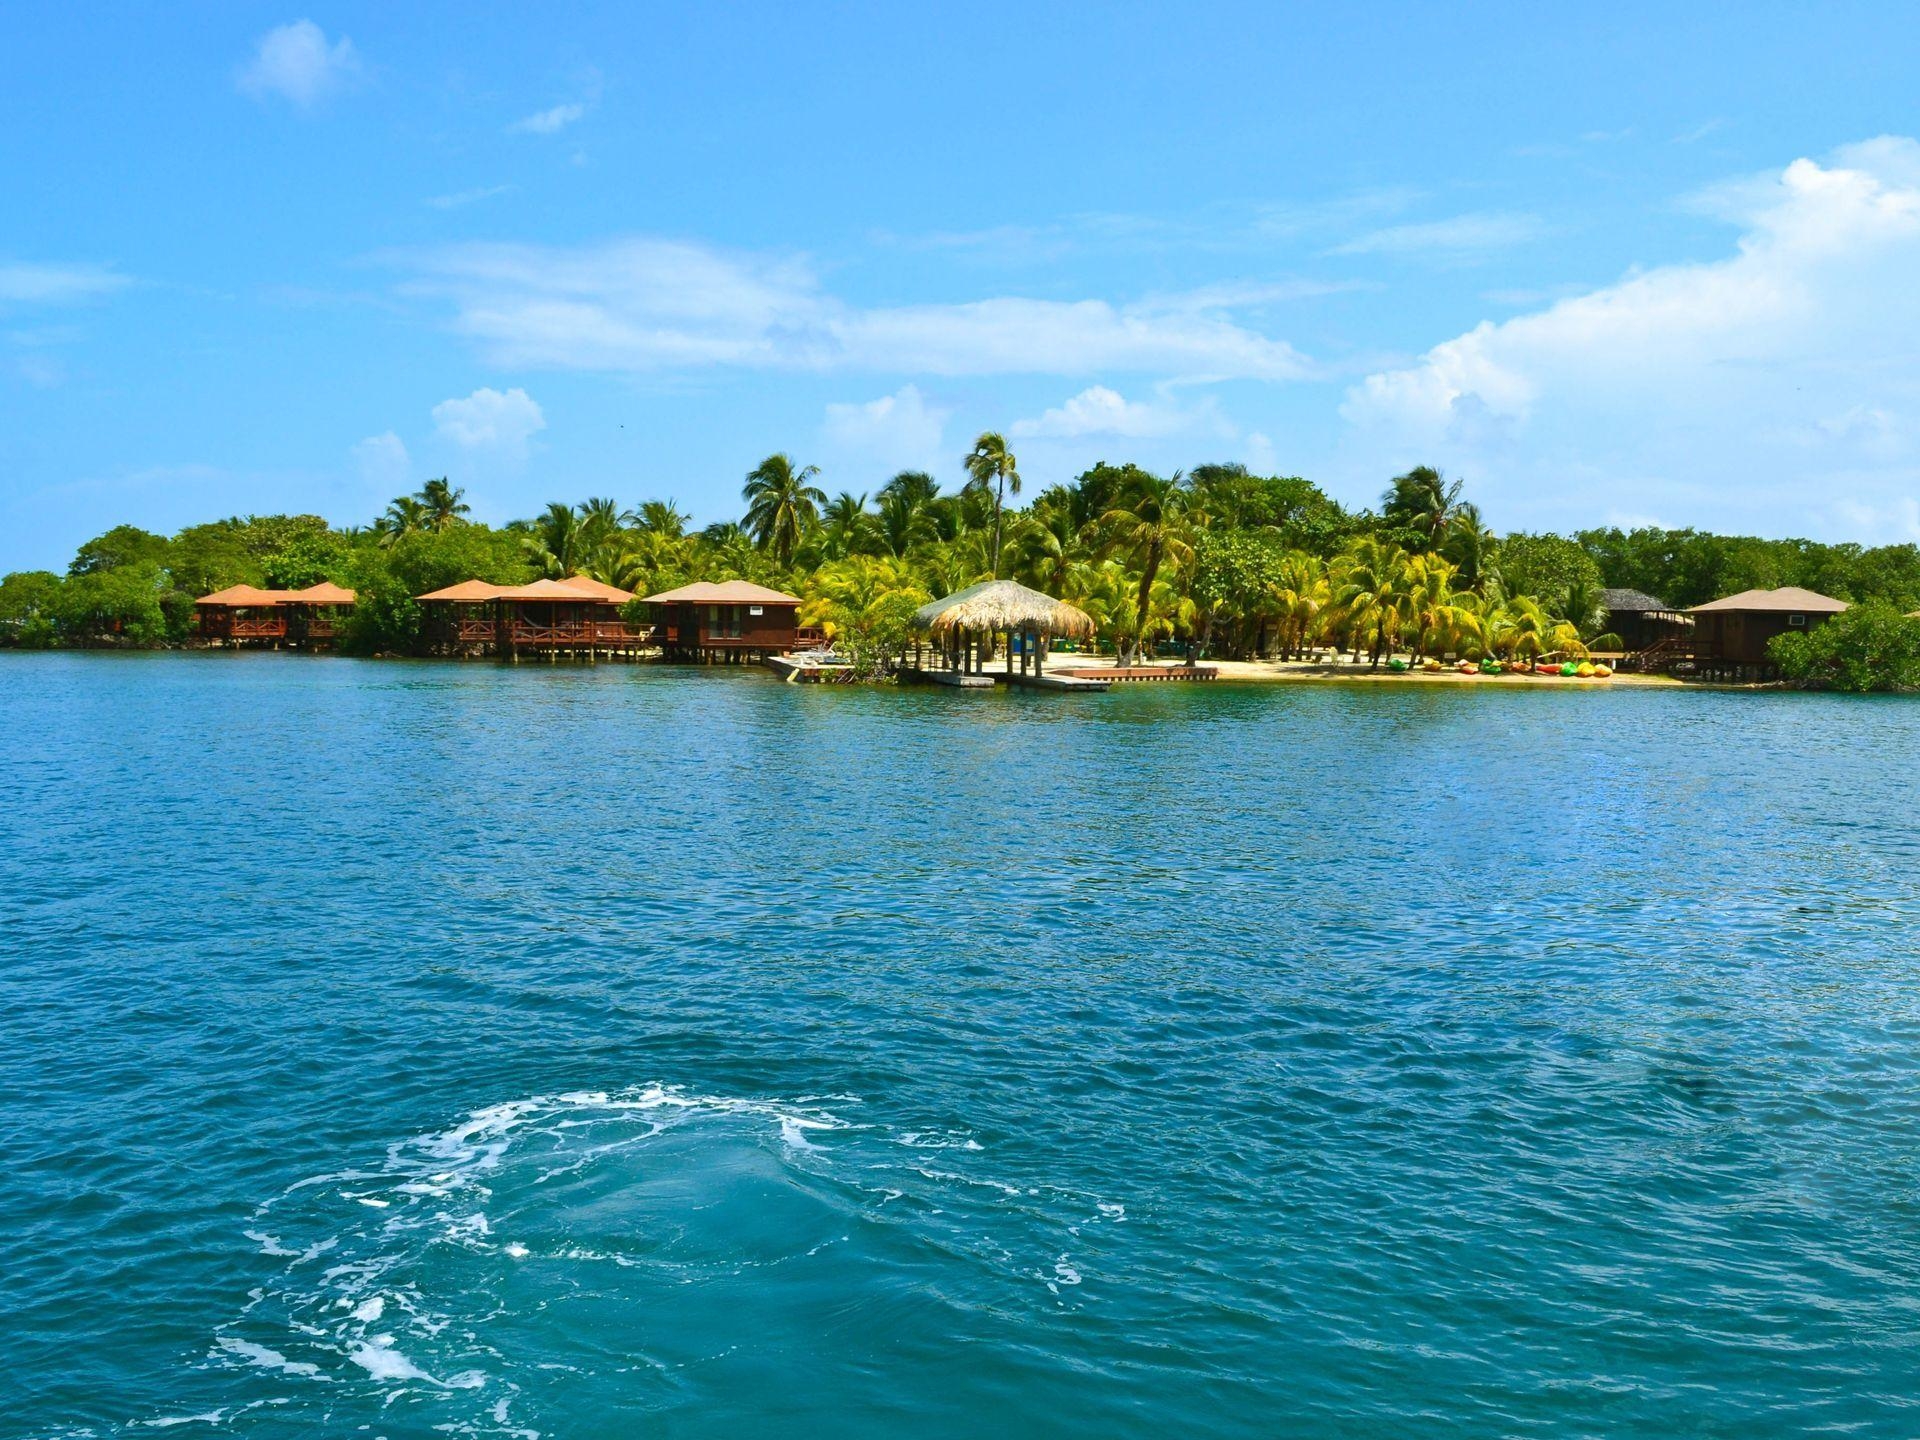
(1003, 605)
(1635, 602)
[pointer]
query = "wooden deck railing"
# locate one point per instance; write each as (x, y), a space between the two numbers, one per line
(580, 632)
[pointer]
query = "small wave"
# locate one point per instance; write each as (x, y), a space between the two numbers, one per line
(654, 1184)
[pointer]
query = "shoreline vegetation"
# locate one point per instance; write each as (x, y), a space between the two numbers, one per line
(1252, 573)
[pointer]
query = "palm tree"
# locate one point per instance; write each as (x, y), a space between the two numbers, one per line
(1152, 526)
(1374, 594)
(662, 517)
(915, 485)
(782, 503)
(846, 521)
(558, 543)
(444, 505)
(992, 467)
(1438, 617)
(1521, 626)
(1583, 606)
(406, 515)
(603, 515)
(1423, 500)
(1301, 595)
(1044, 549)
(903, 525)
(905, 519)
(1471, 546)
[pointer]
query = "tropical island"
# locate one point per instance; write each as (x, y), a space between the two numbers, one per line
(1215, 562)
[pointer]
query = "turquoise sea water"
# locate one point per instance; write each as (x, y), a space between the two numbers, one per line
(407, 1049)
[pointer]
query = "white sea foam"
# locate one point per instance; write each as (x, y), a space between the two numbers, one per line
(265, 1358)
(380, 1360)
(435, 1191)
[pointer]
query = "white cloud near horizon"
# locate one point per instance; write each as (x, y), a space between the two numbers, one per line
(460, 198)
(1778, 385)
(501, 424)
(43, 284)
(549, 121)
(1099, 410)
(1450, 239)
(903, 430)
(651, 305)
(383, 462)
(297, 63)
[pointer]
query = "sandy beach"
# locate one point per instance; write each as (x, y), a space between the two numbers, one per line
(1271, 671)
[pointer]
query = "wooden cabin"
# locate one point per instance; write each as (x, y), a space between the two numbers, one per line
(241, 615)
(1730, 635)
(248, 615)
(459, 619)
(728, 620)
(314, 614)
(1643, 621)
(572, 616)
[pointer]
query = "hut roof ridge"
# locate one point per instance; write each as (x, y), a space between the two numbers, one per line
(723, 592)
(243, 595)
(600, 588)
(1003, 605)
(1786, 598)
(1629, 601)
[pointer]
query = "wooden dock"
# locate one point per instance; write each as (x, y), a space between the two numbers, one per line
(958, 679)
(1082, 681)
(1132, 674)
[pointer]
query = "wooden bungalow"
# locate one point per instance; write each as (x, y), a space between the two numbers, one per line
(314, 614)
(960, 632)
(248, 615)
(729, 620)
(459, 619)
(576, 616)
(1731, 634)
(241, 615)
(1643, 621)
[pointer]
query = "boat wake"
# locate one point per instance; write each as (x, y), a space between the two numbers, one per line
(645, 1237)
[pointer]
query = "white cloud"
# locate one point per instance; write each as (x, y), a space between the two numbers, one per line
(648, 305)
(547, 122)
(1101, 411)
(296, 62)
(27, 284)
(383, 462)
(488, 420)
(900, 429)
(468, 197)
(43, 372)
(1460, 236)
(1762, 389)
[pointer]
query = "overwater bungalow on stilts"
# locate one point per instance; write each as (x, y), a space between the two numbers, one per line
(246, 615)
(576, 616)
(1726, 639)
(959, 633)
(729, 621)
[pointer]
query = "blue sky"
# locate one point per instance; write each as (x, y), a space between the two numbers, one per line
(1619, 265)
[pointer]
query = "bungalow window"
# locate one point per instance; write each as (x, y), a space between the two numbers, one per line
(1797, 622)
